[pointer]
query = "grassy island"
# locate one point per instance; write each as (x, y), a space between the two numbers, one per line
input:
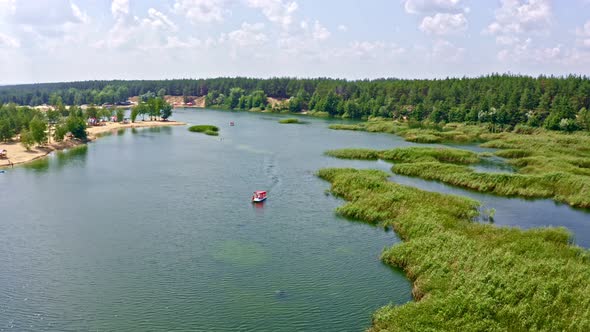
(205, 129)
(468, 276)
(289, 120)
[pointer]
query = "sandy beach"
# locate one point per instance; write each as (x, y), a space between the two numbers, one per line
(17, 154)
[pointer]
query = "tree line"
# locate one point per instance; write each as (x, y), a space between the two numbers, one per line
(559, 103)
(32, 126)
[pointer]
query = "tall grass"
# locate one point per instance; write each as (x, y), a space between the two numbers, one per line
(548, 164)
(205, 129)
(289, 120)
(409, 155)
(420, 132)
(468, 276)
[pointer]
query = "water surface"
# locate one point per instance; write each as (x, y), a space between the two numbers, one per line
(153, 229)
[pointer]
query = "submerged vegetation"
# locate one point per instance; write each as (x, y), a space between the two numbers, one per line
(289, 120)
(468, 276)
(205, 129)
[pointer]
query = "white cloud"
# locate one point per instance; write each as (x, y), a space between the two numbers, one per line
(445, 51)
(320, 32)
(521, 16)
(507, 40)
(432, 6)
(526, 52)
(82, 17)
(372, 49)
(276, 11)
(248, 35)
(158, 20)
(7, 7)
(342, 28)
(203, 11)
(516, 21)
(120, 8)
(173, 42)
(152, 31)
(583, 35)
(8, 42)
(443, 23)
(44, 13)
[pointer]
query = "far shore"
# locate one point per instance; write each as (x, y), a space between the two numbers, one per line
(17, 154)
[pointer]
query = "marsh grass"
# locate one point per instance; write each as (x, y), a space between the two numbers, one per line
(548, 164)
(409, 155)
(468, 276)
(205, 129)
(289, 121)
(420, 132)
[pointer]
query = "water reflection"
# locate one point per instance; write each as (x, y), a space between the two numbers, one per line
(59, 159)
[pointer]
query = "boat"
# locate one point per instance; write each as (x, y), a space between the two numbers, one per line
(259, 196)
(231, 123)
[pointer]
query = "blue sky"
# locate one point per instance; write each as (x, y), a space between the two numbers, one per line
(63, 40)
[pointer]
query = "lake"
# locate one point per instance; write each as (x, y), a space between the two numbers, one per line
(153, 229)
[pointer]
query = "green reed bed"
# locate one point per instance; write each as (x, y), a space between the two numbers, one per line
(205, 129)
(468, 276)
(420, 132)
(409, 155)
(548, 165)
(544, 151)
(290, 121)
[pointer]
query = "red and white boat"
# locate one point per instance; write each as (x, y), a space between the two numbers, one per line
(259, 196)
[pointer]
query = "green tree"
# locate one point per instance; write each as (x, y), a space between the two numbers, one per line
(583, 119)
(120, 114)
(77, 126)
(92, 112)
(37, 130)
(166, 111)
(60, 132)
(6, 131)
(295, 105)
(134, 112)
(234, 97)
(26, 139)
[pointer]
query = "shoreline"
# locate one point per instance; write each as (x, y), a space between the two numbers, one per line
(17, 154)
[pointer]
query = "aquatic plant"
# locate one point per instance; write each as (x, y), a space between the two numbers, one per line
(409, 155)
(205, 129)
(468, 276)
(420, 132)
(548, 165)
(289, 120)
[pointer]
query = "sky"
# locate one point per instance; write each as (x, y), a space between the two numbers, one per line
(72, 40)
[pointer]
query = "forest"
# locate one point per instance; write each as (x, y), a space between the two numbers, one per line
(557, 103)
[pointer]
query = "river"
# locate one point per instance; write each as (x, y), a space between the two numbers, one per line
(153, 229)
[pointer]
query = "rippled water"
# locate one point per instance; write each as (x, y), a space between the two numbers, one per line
(153, 229)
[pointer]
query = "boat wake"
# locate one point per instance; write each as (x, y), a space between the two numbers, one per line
(272, 171)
